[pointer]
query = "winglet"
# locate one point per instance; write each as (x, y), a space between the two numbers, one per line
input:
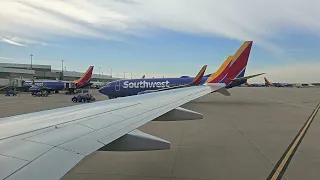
(239, 62)
(199, 76)
(220, 75)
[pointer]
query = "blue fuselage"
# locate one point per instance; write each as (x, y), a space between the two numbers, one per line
(129, 87)
(49, 85)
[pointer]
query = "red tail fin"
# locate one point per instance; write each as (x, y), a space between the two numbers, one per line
(199, 76)
(239, 62)
(85, 77)
(267, 82)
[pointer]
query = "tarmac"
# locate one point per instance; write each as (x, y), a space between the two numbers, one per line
(243, 136)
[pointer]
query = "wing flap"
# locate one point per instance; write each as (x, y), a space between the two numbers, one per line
(21, 149)
(137, 141)
(52, 165)
(62, 116)
(9, 165)
(100, 122)
(61, 135)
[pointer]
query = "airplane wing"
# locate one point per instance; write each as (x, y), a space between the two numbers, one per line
(47, 144)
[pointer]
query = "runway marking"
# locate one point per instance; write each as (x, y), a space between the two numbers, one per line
(284, 161)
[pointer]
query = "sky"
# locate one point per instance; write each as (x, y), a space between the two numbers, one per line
(164, 37)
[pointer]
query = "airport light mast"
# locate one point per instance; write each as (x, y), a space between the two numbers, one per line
(62, 69)
(31, 60)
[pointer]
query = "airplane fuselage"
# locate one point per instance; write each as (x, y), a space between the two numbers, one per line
(48, 85)
(129, 87)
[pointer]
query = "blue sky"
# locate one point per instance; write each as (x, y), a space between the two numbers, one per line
(163, 38)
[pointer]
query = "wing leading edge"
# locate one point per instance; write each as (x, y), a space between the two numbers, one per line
(47, 144)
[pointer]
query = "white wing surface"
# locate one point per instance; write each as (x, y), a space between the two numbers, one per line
(46, 145)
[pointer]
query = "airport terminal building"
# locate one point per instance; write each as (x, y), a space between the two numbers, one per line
(10, 73)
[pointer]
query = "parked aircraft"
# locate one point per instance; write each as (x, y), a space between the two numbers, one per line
(196, 81)
(231, 72)
(129, 87)
(57, 85)
(268, 83)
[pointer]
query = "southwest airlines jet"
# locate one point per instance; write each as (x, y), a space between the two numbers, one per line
(231, 73)
(268, 83)
(52, 85)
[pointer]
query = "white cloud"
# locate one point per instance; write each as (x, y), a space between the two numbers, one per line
(18, 41)
(9, 41)
(242, 20)
(6, 58)
(304, 72)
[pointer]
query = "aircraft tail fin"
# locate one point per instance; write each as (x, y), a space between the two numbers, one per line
(239, 62)
(85, 78)
(220, 75)
(198, 78)
(267, 82)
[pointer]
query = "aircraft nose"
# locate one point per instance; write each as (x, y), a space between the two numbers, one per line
(104, 90)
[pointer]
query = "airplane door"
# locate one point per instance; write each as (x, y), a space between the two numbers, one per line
(67, 86)
(117, 86)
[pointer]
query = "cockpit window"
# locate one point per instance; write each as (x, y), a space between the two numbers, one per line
(108, 84)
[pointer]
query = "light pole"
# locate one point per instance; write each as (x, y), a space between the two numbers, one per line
(31, 61)
(124, 75)
(62, 69)
(131, 75)
(62, 65)
(111, 72)
(99, 70)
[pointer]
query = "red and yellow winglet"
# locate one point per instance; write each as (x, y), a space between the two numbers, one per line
(220, 75)
(239, 62)
(198, 78)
